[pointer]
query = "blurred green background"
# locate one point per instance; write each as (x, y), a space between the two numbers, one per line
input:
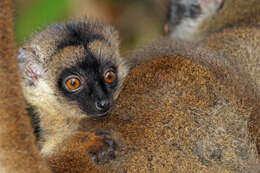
(138, 21)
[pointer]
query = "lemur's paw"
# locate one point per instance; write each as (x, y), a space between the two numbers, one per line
(105, 147)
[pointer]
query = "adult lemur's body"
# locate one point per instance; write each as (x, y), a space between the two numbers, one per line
(18, 150)
(195, 107)
(70, 71)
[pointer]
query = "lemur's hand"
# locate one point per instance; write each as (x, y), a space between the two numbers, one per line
(84, 152)
(103, 148)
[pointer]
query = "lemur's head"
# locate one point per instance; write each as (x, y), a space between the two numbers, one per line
(73, 67)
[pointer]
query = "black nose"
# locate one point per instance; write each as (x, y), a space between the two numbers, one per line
(103, 105)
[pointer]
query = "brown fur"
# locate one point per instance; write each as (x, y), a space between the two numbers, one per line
(76, 148)
(233, 13)
(245, 53)
(18, 149)
(185, 111)
(182, 114)
(193, 108)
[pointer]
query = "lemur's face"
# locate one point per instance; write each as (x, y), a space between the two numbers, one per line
(91, 74)
(91, 77)
(91, 83)
(74, 69)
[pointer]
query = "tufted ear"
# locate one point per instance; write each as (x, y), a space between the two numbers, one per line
(112, 35)
(29, 65)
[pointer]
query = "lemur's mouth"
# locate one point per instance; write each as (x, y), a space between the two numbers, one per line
(98, 116)
(102, 115)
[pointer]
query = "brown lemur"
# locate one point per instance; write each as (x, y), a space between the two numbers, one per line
(194, 108)
(187, 111)
(18, 150)
(70, 71)
(193, 20)
(175, 118)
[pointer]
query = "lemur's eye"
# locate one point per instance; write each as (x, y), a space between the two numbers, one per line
(72, 83)
(110, 77)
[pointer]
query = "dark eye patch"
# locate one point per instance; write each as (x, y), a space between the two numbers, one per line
(94, 88)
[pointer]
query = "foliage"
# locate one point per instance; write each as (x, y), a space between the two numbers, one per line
(39, 14)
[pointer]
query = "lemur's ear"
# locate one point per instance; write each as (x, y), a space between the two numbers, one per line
(29, 64)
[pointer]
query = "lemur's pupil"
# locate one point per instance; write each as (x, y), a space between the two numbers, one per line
(73, 82)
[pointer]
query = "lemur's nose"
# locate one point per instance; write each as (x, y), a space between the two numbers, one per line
(103, 105)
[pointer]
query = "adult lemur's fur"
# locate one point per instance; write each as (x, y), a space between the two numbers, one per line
(185, 113)
(194, 108)
(18, 150)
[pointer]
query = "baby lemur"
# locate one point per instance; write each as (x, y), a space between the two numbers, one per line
(70, 71)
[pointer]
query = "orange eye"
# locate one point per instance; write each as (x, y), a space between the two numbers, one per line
(73, 83)
(110, 77)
